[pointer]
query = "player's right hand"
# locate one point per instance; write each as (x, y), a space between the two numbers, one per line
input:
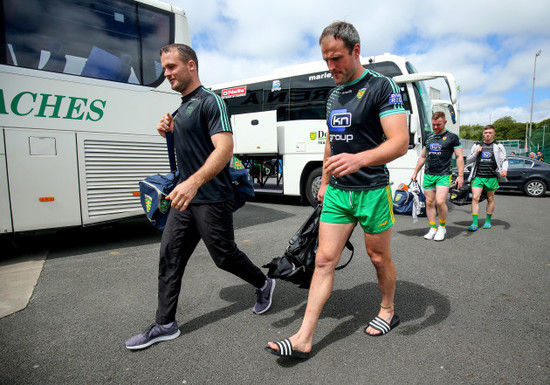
(165, 125)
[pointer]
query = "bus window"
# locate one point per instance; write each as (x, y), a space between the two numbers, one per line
(406, 99)
(308, 95)
(424, 108)
(386, 68)
(155, 31)
(424, 103)
(410, 67)
(276, 97)
(408, 108)
(111, 40)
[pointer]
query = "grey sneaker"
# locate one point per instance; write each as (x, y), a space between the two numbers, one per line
(153, 334)
(264, 297)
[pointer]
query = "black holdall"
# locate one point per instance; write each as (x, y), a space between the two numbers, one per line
(463, 195)
(298, 261)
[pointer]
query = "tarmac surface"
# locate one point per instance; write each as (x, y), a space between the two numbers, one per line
(474, 308)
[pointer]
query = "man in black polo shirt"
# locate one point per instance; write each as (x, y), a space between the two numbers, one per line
(202, 203)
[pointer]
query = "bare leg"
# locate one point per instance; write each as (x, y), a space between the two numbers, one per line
(378, 247)
(430, 205)
(476, 195)
(441, 201)
(490, 202)
(332, 239)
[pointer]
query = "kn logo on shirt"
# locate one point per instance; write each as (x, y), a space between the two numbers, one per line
(339, 120)
(435, 147)
(486, 155)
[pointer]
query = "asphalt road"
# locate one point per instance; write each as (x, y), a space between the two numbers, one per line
(474, 308)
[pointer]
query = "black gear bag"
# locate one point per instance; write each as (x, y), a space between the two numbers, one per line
(298, 261)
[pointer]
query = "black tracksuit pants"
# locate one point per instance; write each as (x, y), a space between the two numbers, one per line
(213, 223)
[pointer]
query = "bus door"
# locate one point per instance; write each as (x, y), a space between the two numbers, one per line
(424, 104)
(5, 212)
(43, 179)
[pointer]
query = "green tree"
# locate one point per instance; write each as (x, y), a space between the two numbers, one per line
(505, 127)
(508, 129)
(516, 132)
(472, 132)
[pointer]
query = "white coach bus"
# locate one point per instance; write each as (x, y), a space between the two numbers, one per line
(81, 92)
(280, 129)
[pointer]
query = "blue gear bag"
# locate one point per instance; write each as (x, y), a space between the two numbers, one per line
(154, 189)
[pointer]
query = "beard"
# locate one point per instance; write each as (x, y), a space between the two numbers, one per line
(182, 84)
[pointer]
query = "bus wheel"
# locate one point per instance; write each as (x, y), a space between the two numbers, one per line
(268, 170)
(313, 184)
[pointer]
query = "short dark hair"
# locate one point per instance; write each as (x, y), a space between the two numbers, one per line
(438, 114)
(490, 127)
(344, 31)
(185, 52)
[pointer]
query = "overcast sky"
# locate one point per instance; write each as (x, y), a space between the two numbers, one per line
(488, 45)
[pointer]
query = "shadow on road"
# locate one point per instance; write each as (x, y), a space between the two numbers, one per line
(418, 307)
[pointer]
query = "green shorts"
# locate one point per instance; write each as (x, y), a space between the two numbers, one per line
(431, 181)
(373, 209)
(488, 184)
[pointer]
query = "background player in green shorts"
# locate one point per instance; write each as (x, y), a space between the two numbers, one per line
(367, 128)
(490, 163)
(437, 153)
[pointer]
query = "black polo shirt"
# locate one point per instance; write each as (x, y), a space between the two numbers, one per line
(202, 114)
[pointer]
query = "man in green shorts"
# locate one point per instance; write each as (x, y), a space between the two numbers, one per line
(490, 163)
(367, 128)
(437, 153)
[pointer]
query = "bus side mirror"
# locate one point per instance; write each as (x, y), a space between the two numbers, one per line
(452, 112)
(412, 123)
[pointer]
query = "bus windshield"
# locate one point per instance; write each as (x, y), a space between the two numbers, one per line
(113, 40)
(424, 101)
